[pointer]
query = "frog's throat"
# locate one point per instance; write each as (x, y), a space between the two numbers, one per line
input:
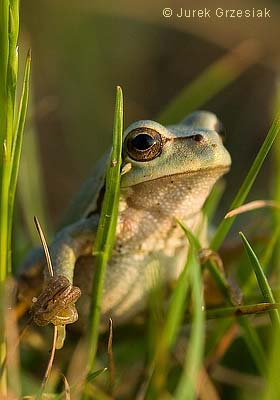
(179, 195)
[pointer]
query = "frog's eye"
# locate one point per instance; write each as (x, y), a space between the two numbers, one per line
(143, 144)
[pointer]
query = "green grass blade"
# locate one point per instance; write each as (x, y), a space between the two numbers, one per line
(193, 361)
(4, 221)
(18, 135)
(262, 281)
(215, 78)
(11, 82)
(4, 52)
(225, 225)
(178, 300)
(215, 272)
(9, 23)
(276, 189)
(272, 387)
(177, 307)
(9, 28)
(170, 329)
(12, 68)
(250, 336)
(237, 311)
(95, 374)
(265, 259)
(106, 228)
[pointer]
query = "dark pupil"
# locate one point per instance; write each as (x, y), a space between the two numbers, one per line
(143, 142)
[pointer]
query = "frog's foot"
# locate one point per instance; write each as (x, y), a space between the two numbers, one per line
(211, 255)
(211, 292)
(56, 303)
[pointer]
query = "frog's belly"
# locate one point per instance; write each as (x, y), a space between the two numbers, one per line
(128, 295)
(129, 279)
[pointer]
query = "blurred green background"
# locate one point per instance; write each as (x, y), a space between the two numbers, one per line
(83, 49)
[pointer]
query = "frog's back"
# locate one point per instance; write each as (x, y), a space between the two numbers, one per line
(89, 197)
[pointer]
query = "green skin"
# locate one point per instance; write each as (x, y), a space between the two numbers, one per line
(169, 180)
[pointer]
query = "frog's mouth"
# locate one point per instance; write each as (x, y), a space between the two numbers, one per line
(217, 171)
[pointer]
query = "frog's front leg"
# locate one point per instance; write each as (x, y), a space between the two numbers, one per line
(56, 303)
(72, 242)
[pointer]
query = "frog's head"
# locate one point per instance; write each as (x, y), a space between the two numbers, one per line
(152, 151)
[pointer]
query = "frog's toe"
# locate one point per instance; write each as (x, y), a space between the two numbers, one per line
(56, 303)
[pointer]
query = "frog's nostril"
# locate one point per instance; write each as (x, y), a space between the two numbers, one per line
(198, 138)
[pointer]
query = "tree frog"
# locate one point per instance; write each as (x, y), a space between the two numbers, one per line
(167, 174)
